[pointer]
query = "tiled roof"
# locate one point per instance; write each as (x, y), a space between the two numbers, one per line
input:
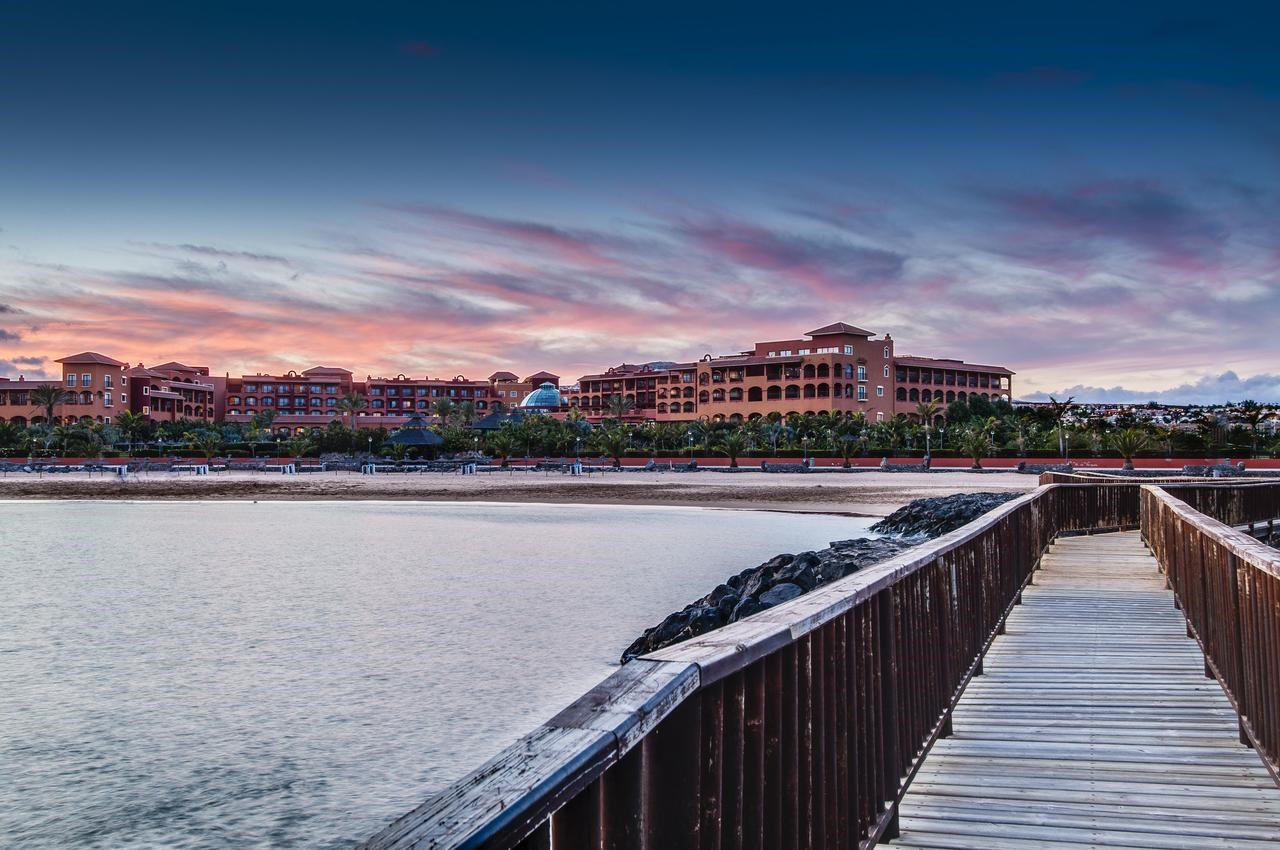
(948, 364)
(91, 357)
(839, 328)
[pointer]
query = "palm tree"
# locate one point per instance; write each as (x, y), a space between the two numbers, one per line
(975, 442)
(847, 433)
(1060, 410)
(205, 442)
(618, 406)
(613, 442)
(49, 396)
(351, 404)
(501, 445)
(443, 409)
(1252, 413)
(926, 411)
(775, 431)
(465, 413)
(300, 445)
(128, 423)
(1129, 442)
(732, 443)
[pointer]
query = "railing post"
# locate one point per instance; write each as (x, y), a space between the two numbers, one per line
(889, 773)
(1240, 686)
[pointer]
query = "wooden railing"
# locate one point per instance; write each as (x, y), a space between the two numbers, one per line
(1228, 586)
(798, 727)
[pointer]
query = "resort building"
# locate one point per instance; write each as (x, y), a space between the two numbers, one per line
(312, 398)
(172, 391)
(838, 368)
(15, 401)
(922, 379)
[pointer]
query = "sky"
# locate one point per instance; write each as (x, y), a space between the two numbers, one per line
(1085, 193)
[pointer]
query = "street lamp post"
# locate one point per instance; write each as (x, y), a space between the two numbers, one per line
(804, 441)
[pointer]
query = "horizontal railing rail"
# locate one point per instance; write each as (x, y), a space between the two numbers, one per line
(1228, 587)
(800, 726)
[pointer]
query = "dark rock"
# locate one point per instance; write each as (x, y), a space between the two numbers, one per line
(787, 576)
(934, 517)
(780, 593)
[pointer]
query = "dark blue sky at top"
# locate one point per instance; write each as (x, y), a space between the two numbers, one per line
(272, 127)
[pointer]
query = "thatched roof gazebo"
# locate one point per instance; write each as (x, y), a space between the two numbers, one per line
(415, 434)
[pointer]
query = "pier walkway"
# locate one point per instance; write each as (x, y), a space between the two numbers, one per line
(1043, 677)
(1092, 725)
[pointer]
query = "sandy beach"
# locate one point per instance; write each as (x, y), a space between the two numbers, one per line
(861, 493)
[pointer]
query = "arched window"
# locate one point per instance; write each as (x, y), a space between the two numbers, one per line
(927, 395)
(951, 396)
(902, 393)
(823, 371)
(793, 391)
(810, 391)
(704, 397)
(824, 391)
(773, 393)
(915, 394)
(717, 394)
(756, 394)
(688, 407)
(735, 394)
(809, 371)
(662, 407)
(963, 396)
(688, 392)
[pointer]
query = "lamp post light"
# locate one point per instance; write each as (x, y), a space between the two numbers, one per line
(371, 445)
(577, 448)
(691, 445)
(804, 441)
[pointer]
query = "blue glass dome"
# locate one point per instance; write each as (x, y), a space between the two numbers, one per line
(546, 395)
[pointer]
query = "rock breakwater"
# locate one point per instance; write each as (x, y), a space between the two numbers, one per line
(787, 576)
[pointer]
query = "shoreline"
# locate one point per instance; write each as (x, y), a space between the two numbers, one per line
(869, 494)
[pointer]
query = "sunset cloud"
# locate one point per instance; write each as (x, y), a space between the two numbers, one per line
(1105, 278)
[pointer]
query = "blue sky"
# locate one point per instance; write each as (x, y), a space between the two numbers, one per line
(1085, 193)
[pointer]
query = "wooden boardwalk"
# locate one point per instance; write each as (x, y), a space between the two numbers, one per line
(1093, 726)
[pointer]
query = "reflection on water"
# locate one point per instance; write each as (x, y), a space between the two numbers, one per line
(290, 674)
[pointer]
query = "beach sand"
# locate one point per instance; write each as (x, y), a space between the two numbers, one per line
(871, 493)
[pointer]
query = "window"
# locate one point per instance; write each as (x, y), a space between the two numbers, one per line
(86, 380)
(803, 351)
(268, 388)
(106, 381)
(848, 349)
(862, 393)
(106, 400)
(771, 354)
(880, 392)
(251, 401)
(146, 409)
(124, 398)
(786, 353)
(886, 351)
(862, 373)
(251, 388)
(886, 370)
(71, 379)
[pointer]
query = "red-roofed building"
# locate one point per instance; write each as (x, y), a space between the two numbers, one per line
(837, 368)
(172, 391)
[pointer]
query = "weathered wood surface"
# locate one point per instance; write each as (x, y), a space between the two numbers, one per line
(1093, 726)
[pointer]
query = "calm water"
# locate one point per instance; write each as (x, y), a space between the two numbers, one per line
(212, 675)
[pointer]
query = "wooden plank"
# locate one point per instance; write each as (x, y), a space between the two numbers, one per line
(1093, 726)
